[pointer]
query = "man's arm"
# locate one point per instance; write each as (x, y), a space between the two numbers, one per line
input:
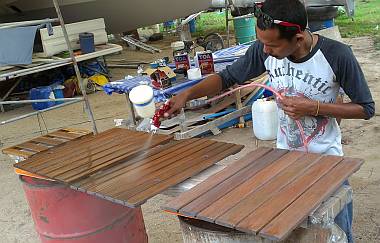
(249, 66)
(209, 86)
(297, 107)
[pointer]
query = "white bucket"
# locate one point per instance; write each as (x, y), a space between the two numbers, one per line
(143, 100)
(265, 119)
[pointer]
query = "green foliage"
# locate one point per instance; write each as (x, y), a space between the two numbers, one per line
(366, 21)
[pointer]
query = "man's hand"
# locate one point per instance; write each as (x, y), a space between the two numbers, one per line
(297, 107)
(176, 104)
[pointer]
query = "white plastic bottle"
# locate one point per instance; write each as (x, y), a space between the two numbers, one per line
(265, 119)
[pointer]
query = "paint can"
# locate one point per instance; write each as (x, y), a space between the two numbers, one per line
(205, 62)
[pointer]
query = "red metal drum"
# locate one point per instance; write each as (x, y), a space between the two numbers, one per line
(63, 215)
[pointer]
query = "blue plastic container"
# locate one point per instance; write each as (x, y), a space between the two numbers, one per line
(44, 92)
(58, 93)
(244, 30)
(87, 42)
(192, 26)
(320, 25)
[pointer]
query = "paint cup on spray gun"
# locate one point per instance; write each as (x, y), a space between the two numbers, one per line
(142, 98)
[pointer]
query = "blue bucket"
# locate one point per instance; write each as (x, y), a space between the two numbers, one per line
(43, 92)
(244, 30)
(87, 42)
(320, 25)
(192, 26)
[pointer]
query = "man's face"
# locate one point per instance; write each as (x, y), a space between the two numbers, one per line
(274, 45)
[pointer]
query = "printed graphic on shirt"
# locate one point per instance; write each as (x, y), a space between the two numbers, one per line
(306, 80)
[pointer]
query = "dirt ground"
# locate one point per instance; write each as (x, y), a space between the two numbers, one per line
(361, 140)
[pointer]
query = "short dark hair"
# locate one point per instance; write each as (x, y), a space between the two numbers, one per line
(292, 11)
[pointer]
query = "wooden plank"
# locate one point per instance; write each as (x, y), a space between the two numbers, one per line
(18, 152)
(226, 202)
(32, 146)
(148, 156)
(87, 157)
(181, 176)
(77, 131)
(202, 202)
(47, 140)
(214, 180)
(140, 171)
(253, 200)
(73, 150)
(275, 205)
(57, 154)
(64, 135)
(292, 216)
(120, 155)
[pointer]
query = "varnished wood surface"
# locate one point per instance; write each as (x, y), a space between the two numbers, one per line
(269, 192)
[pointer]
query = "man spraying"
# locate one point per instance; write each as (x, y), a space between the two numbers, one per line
(308, 70)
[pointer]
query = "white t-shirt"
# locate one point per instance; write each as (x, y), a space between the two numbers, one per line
(317, 76)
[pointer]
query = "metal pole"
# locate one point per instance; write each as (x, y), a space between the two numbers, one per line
(83, 89)
(227, 23)
(37, 101)
(37, 112)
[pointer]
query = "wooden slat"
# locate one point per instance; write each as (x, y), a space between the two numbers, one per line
(155, 176)
(88, 156)
(47, 140)
(181, 176)
(32, 146)
(139, 171)
(193, 208)
(214, 180)
(18, 152)
(77, 149)
(84, 171)
(226, 202)
(149, 156)
(275, 205)
(253, 200)
(291, 217)
(65, 135)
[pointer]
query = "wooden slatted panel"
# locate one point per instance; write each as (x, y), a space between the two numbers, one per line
(214, 180)
(193, 208)
(43, 143)
(229, 200)
(292, 216)
(274, 200)
(253, 200)
(275, 205)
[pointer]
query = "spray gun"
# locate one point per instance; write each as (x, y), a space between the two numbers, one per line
(155, 122)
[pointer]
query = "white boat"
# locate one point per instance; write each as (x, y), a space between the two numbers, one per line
(119, 15)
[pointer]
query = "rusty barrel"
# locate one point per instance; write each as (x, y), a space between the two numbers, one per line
(61, 214)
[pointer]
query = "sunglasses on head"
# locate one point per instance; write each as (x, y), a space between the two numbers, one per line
(268, 21)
